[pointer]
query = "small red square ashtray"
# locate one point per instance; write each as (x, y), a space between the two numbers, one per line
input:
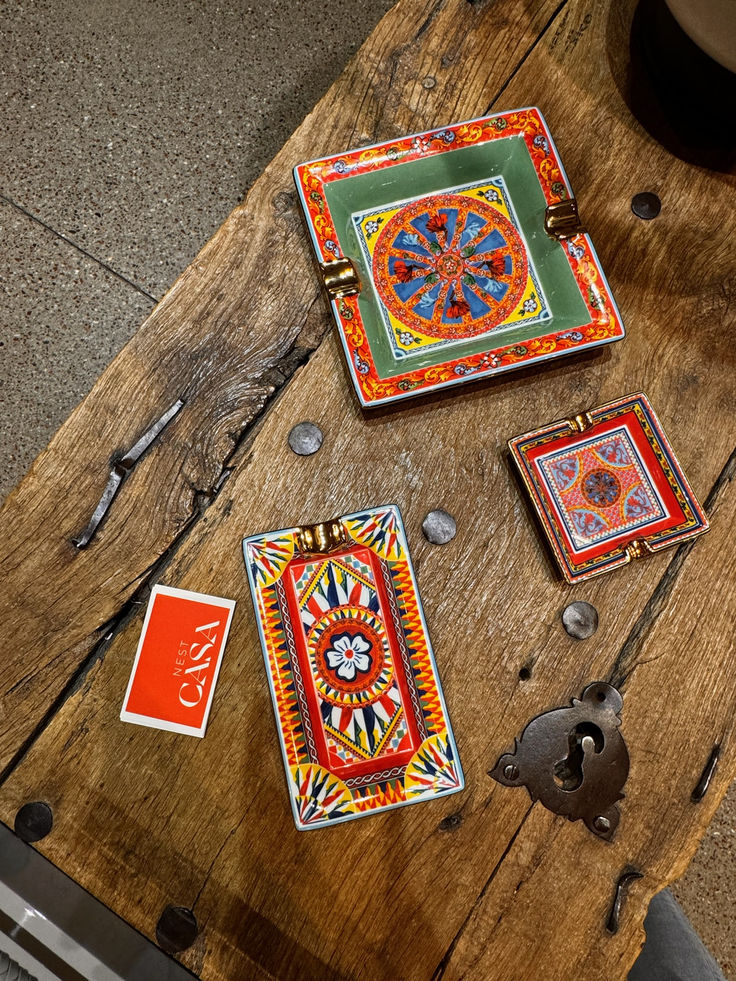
(607, 487)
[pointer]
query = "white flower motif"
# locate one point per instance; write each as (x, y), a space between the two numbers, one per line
(406, 338)
(495, 360)
(348, 655)
(371, 227)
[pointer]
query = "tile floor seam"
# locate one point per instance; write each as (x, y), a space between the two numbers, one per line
(79, 248)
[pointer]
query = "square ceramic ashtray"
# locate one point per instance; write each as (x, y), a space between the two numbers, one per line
(607, 487)
(454, 254)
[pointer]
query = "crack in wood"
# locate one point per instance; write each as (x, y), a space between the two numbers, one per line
(220, 850)
(439, 971)
(542, 35)
(427, 22)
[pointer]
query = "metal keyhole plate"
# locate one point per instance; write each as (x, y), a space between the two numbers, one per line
(573, 759)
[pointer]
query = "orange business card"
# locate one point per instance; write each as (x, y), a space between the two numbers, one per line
(177, 661)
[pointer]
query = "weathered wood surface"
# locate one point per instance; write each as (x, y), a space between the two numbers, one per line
(145, 818)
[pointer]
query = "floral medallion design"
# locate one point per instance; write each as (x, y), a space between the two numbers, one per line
(349, 651)
(601, 488)
(349, 655)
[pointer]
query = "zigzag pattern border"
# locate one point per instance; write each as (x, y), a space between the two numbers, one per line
(412, 628)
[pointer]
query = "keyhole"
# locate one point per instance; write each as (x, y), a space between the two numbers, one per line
(584, 739)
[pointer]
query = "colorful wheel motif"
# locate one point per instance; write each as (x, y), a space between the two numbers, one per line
(601, 488)
(349, 655)
(450, 266)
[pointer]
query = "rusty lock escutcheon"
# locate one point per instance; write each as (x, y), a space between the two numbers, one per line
(573, 759)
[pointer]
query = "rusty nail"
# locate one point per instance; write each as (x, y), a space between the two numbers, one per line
(622, 888)
(701, 788)
(120, 470)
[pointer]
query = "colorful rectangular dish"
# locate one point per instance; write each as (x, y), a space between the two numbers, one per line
(453, 254)
(359, 708)
(607, 487)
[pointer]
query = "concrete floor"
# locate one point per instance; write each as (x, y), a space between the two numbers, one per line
(128, 131)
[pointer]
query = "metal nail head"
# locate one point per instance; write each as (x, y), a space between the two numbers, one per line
(439, 527)
(305, 438)
(580, 620)
(34, 821)
(646, 205)
(176, 929)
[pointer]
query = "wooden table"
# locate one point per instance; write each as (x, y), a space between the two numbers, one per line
(143, 818)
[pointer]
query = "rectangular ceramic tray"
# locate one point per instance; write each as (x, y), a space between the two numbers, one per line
(359, 708)
(607, 487)
(455, 274)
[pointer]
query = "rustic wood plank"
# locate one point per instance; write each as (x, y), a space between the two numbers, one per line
(554, 882)
(206, 823)
(225, 338)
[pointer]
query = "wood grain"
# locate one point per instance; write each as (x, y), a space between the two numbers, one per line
(146, 818)
(225, 338)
